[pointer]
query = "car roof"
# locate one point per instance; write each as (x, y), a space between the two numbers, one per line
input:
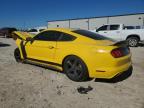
(62, 29)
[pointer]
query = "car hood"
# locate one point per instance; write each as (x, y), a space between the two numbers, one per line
(21, 35)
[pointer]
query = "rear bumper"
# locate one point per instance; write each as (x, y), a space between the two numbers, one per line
(111, 72)
(111, 67)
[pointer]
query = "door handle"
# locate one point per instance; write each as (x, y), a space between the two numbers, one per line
(50, 47)
(105, 32)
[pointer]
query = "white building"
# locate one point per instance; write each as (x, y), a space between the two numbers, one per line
(91, 23)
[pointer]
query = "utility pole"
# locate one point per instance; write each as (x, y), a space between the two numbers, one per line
(88, 21)
(24, 25)
(69, 24)
(107, 20)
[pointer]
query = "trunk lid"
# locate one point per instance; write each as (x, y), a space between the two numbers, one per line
(120, 43)
(111, 43)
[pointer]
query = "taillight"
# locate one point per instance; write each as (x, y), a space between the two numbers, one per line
(120, 52)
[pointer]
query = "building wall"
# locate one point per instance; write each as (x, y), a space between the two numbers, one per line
(62, 24)
(94, 23)
(127, 20)
(81, 23)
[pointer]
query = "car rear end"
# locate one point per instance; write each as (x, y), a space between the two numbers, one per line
(106, 58)
(113, 60)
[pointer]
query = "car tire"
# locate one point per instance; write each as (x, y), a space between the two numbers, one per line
(75, 69)
(133, 41)
(17, 55)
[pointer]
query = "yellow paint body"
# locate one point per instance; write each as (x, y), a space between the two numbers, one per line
(96, 54)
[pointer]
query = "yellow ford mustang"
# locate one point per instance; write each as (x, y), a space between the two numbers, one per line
(79, 53)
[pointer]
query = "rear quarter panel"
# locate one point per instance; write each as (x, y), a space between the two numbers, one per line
(92, 55)
(95, 57)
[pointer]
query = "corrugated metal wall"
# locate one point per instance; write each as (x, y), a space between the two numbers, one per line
(127, 20)
(82, 23)
(62, 24)
(93, 23)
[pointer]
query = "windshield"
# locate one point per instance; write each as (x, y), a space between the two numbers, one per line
(92, 35)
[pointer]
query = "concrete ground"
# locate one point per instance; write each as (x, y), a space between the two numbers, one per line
(29, 86)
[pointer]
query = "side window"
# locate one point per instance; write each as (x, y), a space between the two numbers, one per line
(103, 28)
(114, 27)
(138, 27)
(48, 36)
(66, 37)
(129, 27)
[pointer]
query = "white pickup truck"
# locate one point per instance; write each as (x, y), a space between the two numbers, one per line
(120, 32)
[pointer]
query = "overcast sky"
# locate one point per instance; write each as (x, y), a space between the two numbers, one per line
(31, 13)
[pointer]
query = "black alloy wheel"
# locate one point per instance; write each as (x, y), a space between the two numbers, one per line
(75, 69)
(17, 55)
(133, 41)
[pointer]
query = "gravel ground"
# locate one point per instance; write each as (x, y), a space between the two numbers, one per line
(29, 86)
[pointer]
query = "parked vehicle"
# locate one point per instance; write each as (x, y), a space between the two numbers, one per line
(120, 32)
(35, 31)
(7, 32)
(79, 53)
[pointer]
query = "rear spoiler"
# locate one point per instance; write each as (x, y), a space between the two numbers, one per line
(21, 35)
(120, 43)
